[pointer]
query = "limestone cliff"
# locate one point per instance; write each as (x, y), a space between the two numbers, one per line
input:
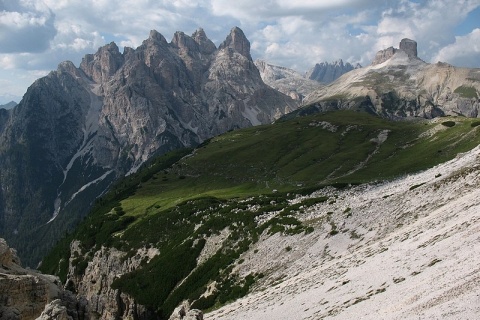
(93, 282)
(24, 293)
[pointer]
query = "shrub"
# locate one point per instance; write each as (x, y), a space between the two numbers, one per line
(475, 124)
(449, 123)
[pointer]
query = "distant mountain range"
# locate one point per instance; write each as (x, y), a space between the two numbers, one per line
(399, 84)
(328, 72)
(298, 85)
(8, 105)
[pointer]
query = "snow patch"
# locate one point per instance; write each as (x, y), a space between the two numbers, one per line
(99, 179)
(89, 130)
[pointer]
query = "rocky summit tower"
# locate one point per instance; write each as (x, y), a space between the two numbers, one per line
(409, 46)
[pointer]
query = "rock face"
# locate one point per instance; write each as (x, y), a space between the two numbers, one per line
(78, 129)
(25, 293)
(409, 46)
(328, 72)
(287, 81)
(183, 312)
(398, 84)
(384, 55)
(94, 283)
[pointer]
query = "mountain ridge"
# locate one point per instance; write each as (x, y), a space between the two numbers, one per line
(78, 129)
(399, 85)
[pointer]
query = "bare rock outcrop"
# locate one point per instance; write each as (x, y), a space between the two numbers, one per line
(326, 72)
(407, 46)
(184, 312)
(384, 55)
(24, 293)
(93, 285)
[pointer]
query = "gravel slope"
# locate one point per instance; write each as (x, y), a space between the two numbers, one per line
(405, 249)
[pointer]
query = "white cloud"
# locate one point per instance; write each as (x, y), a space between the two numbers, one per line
(294, 34)
(465, 51)
(25, 26)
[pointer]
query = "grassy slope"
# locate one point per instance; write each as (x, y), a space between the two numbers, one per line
(296, 153)
(167, 204)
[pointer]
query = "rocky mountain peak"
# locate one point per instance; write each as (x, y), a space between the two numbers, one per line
(237, 41)
(157, 37)
(383, 55)
(80, 129)
(328, 72)
(183, 41)
(104, 63)
(406, 45)
(206, 45)
(409, 46)
(69, 67)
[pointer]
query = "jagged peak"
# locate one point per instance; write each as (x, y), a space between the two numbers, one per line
(181, 40)
(205, 44)
(199, 34)
(238, 41)
(157, 37)
(66, 66)
(112, 46)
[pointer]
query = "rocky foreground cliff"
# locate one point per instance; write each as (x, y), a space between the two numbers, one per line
(78, 129)
(26, 294)
(398, 84)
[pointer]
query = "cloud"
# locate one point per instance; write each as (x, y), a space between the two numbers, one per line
(353, 30)
(36, 35)
(464, 52)
(25, 26)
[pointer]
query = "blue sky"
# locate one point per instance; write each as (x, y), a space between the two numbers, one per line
(36, 35)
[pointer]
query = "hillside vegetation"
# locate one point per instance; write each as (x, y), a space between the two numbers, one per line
(238, 187)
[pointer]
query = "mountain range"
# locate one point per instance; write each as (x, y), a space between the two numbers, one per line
(398, 84)
(209, 191)
(78, 129)
(8, 105)
(297, 85)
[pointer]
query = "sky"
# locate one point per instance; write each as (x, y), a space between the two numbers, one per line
(36, 35)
